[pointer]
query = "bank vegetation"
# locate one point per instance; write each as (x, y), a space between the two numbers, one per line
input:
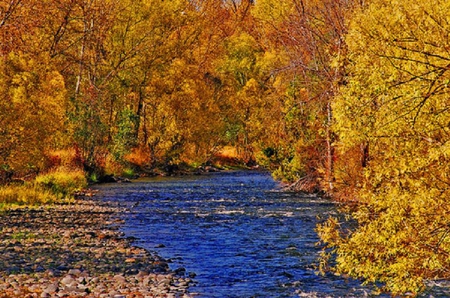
(343, 97)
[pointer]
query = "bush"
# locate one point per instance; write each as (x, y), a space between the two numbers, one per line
(27, 194)
(129, 173)
(63, 181)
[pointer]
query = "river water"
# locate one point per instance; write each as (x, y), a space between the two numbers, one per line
(238, 232)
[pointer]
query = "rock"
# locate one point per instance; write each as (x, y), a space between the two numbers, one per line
(192, 274)
(211, 169)
(67, 281)
(180, 271)
(76, 253)
(108, 179)
(75, 272)
(52, 288)
(119, 279)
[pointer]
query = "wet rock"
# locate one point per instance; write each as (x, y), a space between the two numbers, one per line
(180, 271)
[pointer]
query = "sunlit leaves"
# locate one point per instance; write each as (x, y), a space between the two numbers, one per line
(273, 11)
(32, 110)
(395, 106)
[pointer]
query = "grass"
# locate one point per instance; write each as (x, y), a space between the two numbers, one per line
(25, 195)
(54, 186)
(63, 181)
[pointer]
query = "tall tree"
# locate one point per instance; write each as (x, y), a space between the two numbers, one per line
(395, 103)
(311, 33)
(31, 111)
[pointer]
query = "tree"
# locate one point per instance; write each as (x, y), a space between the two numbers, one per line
(31, 111)
(310, 33)
(395, 104)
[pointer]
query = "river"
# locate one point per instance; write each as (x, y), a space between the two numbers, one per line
(238, 232)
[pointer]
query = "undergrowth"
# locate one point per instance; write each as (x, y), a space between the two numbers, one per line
(25, 195)
(54, 186)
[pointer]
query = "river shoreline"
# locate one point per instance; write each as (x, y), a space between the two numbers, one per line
(77, 250)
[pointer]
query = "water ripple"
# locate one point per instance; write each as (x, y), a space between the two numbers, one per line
(237, 231)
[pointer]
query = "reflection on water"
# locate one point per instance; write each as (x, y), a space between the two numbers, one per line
(236, 231)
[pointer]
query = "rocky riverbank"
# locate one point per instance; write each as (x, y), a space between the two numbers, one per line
(76, 250)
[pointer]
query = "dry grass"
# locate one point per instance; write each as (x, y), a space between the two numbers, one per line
(26, 194)
(63, 181)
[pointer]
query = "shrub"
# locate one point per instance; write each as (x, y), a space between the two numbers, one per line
(68, 158)
(63, 181)
(138, 156)
(128, 173)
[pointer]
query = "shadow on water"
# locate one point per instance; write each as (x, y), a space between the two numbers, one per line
(237, 231)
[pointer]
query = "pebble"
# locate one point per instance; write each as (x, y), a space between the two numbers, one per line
(67, 280)
(69, 250)
(52, 288)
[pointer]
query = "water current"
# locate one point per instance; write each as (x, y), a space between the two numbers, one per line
(238, 232)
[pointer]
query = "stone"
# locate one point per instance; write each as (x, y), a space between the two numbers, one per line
(52, 288)
(63, 261)
(67, 280)
(119, 278)
(75, 272)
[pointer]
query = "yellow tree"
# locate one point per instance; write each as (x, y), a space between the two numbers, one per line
(163, 50)
(310, 34)
(32, 111)
(395, 103)
(33, 92)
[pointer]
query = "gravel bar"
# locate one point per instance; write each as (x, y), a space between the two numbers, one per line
(76, 250)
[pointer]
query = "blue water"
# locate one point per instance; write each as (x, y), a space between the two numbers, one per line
(237, 231)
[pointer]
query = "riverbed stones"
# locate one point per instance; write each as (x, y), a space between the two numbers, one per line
(76, 250)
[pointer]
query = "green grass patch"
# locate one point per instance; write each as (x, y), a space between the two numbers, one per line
(24, 236)
(93, 178)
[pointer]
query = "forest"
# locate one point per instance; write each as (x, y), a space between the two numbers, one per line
(346, 98)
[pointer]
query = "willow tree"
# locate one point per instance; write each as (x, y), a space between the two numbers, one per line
(395, 104)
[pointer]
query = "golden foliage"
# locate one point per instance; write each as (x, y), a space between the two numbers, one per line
(395, 104)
